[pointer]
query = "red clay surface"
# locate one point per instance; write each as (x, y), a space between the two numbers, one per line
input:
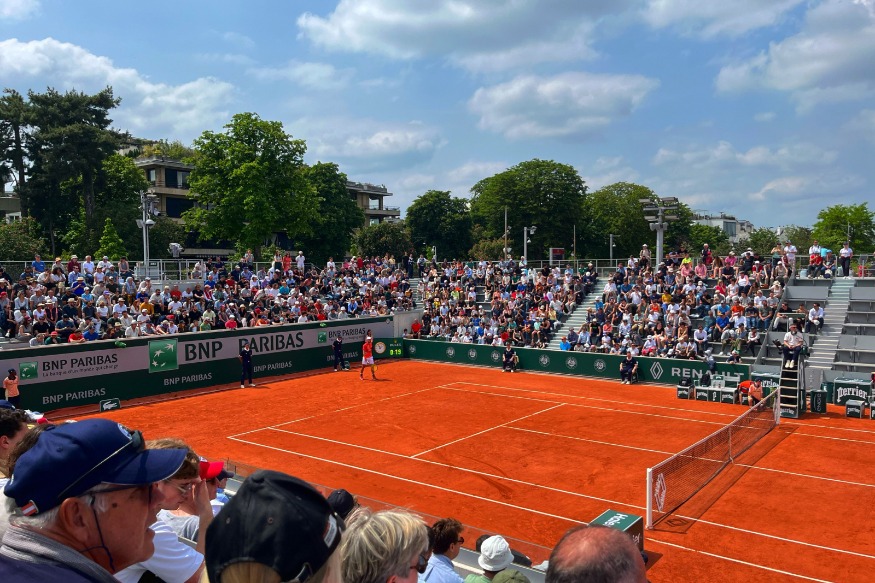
(530, 455)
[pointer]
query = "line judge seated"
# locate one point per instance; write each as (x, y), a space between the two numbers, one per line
(83, 502)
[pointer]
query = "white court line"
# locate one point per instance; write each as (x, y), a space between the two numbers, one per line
(797, 434)
(486, 430)
(739, 561)
(367, 404)
(408, 480)
(613, 401)
(792, 424)
(812, 476)
(576, 494)
(636, 448)
(597, 408)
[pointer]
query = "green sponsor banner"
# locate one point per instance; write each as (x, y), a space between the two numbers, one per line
(163, 355)
(55, 377)
(666, 371)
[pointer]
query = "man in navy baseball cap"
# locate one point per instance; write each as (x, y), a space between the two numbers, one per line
(84, 500)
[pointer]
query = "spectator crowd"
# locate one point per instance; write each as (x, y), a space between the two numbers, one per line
(674, 309)
(77, 302)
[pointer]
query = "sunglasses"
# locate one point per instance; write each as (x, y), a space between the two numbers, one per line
(136, 443)
(182, 489)
(421, 564)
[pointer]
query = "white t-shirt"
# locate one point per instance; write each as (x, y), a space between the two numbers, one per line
(173, 560)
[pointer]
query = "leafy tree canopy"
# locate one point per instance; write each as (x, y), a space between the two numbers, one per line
(538, 193)
(250, 183)
(716, 239)
(337, 218)
(111, 244)
(762, 241)
(437, 219)
(21, 240)
(835, 222)
(384, 238)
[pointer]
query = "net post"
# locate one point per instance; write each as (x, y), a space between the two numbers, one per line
(649, 498)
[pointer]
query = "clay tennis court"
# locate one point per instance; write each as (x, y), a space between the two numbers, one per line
(530, 455)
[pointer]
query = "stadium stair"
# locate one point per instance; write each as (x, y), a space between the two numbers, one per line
(823, 349)
(575, 319)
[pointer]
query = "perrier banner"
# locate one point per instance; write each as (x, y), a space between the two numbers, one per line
(53, 377)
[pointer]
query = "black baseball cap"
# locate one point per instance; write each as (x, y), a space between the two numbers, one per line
(277, 520)
(342, 502)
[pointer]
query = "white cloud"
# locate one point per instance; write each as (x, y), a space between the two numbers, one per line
(862, 124)
(13, 10)
(149, 109)
(764, 116)
(473, 172)
(828, 61)
(608, 170)
(321, 76)
(476, 34)
(227, 58)
(238, 39)
(710, 19)
(368, 145)
(724, 156)
(567, 104)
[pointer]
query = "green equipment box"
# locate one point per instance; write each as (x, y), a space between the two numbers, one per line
(683, 391)
(854, 408)
(818, 401)
(629, 523)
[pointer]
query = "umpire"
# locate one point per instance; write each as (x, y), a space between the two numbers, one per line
(245, 358)
(338, 353)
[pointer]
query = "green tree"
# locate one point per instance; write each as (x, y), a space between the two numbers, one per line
(801, 237)
(540, 193)
(174, 150)
(440, 220)
(165, 232)
(71, 139)
(117, 198)
(250, 183)
(835, 222)
(21, 240)
(383, 238)
(716, 239)
(338, 216)
(762, 241)
(615, 209)
(489, 249)
(111, 243)
(14, 132)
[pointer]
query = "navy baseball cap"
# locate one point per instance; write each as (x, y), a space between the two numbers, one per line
(4, 404)
(68, 460)
(277, 520)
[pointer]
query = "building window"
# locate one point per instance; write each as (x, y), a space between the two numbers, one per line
(374, 221)
(729, 228)
(151, 176)
(177, 206)
(170, 178)
(374, 204)
(183, 178)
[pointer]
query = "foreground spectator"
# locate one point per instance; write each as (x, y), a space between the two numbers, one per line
(84, 502)
(276, 528)
(495, 557)
(596, 554)
(173, 561)
(384, 547)
(448, 542)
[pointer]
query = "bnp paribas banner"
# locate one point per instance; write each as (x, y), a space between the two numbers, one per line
(70, 375)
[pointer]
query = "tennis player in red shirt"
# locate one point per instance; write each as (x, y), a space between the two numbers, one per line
(368, 357)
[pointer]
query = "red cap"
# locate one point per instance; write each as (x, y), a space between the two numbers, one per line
(209, 470)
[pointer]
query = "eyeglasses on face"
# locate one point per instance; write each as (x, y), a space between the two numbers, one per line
(183, 489)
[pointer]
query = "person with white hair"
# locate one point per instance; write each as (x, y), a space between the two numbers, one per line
(382, 547)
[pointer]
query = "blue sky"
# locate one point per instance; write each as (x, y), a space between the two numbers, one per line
(759, 108)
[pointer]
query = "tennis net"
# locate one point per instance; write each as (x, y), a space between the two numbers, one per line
(674, 481)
